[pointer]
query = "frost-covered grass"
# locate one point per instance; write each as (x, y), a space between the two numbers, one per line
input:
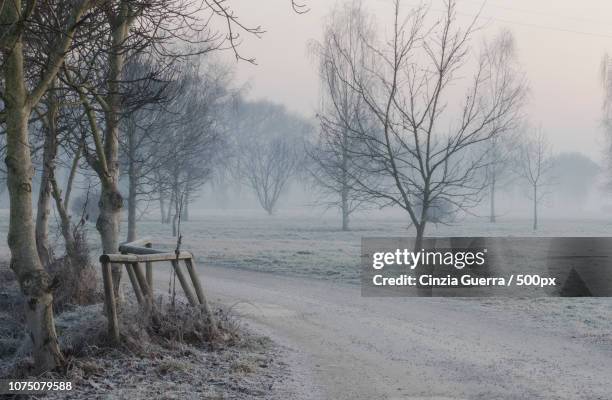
(312, 245)
(309, 243)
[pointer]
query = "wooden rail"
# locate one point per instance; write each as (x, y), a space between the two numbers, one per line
(131, 256)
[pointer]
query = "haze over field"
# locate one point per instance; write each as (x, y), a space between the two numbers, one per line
(560, 46)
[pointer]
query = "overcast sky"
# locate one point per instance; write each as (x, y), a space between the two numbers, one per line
(560, 45)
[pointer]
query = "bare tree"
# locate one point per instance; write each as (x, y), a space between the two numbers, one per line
(145, 131)
(534, 167)
(193, 130)
(267, 168)
(269, 149)
(418, 151)
(340, 109)
(500, 54)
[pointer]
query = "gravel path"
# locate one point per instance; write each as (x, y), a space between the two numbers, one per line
(350, 347)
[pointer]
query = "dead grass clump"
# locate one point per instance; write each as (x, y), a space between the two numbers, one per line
(180, 323)
(169, 365)
(75, 276)
(12, 319)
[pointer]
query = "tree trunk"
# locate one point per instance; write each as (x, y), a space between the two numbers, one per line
(111, 201)
(492, 217)
(65, 224)
(131, 234)
(170, 207)
(175, 219)
(35, 283)
(133, 184)
(420, 235)
(345, 210)
(535, 207)
(421, 269)
(345, 188)
(185, 207)
(162, 209)
(73, 169)
(44, 196)
(107, 224)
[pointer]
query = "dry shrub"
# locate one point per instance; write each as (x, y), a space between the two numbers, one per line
(171, 326)
(75, 277)
(12, 319)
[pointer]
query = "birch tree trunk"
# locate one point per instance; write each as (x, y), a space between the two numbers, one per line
(33, 279)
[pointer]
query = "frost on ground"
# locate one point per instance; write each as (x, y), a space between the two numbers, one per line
(362, 348)
(313, 246)
(171, 359)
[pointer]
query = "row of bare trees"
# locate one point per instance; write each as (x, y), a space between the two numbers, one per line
(172, 147)
(64, 74)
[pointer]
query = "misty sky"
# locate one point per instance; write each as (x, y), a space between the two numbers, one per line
(560, 45)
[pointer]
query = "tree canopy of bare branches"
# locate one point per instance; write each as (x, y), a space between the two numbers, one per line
(417, 150)
(341, 108)
(269, 147)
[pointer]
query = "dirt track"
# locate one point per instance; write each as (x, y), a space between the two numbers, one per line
(350, 347)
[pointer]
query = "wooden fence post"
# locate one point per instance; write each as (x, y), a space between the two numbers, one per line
(196, 280)
(146, 289)
(184, 283)
(109, 299)
(198, 288)
(149, 268)
(135, 284)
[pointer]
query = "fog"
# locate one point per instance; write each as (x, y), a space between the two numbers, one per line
(560, 46)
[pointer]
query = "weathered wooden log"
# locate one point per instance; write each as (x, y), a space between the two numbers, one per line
(146, 289)
(196, 280)
(140, 243)
(181, 277)
(132, 258)
(200, 293)
(109, 300)
(134, 280)
(149, 269)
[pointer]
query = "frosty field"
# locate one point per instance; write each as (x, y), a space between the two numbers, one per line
(295, 278)
(312, 245)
